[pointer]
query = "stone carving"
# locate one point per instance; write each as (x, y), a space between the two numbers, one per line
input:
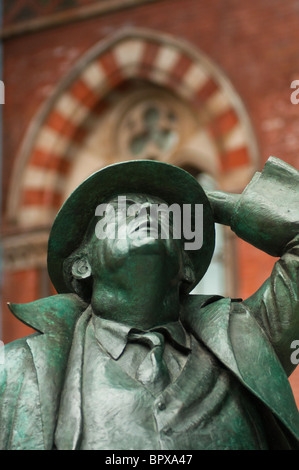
(124, 357)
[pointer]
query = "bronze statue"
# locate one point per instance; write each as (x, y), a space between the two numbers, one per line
(124, 357)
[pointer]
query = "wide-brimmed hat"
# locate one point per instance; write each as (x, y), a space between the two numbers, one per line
(162, 180)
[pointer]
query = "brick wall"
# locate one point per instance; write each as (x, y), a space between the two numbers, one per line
(16, 11)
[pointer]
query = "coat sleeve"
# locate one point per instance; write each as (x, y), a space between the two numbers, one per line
(267, 216)
(276, 306)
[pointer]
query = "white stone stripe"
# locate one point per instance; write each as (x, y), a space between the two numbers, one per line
(218, 103)
(50, 140)
(94, 76)
(43, 178)
(129, 54)
(202, 143)
(166, 58)
(72, 109)
(195, 77)
(236, 138)
(161, 75)
(158, 76)
(30, 216)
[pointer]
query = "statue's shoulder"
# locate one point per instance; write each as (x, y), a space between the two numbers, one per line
(53, 316)
(210, 312)
(197, 310)
(54, 320)
(198, 301)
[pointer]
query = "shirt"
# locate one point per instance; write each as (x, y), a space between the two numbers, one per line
(115, 339)
(203, 408)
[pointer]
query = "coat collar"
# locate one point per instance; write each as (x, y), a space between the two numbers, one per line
(114, 336)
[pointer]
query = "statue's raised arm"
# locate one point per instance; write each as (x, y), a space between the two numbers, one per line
(266, 215)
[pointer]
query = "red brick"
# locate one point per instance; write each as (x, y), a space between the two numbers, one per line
(113, 72)
(41, 158)
(19, 287)
(234, 159)
(223, 123)
(206, 91)
(180, 67)
(149, 54)
(84, 94)
(41, 197)
(60, 124)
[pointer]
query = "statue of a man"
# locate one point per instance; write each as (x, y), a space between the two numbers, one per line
(123, 356)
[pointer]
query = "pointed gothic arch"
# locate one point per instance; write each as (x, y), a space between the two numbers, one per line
(45, 159)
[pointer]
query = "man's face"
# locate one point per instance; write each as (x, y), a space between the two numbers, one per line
(135, 264)
(132, 229)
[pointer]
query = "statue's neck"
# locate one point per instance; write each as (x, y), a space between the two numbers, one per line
(142, 303)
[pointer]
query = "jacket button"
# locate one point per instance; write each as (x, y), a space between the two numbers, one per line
(161, 405)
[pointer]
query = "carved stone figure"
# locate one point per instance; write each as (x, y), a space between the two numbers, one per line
(123, 356)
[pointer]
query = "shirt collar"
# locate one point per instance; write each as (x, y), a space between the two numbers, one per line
(113, 336)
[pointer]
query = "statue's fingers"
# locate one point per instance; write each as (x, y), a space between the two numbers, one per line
(223, 205)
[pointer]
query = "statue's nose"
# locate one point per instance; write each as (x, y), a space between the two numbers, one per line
(147, 207)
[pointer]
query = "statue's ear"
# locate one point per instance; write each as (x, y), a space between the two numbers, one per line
(81, 268)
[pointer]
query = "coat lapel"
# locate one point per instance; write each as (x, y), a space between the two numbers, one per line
(259, 367)
(69, 424)
(49, 378)
(233, 335)
(208, 320)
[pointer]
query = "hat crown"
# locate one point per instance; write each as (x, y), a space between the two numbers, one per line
(161, 180)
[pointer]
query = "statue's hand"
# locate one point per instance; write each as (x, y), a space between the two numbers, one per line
(266, 214)
(223, 205)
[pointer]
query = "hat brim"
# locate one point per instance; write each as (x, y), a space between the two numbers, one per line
(168, 182)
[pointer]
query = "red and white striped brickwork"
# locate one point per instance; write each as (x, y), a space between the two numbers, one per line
(158, 59)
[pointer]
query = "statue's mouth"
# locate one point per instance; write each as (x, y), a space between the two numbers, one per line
(148, 228)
